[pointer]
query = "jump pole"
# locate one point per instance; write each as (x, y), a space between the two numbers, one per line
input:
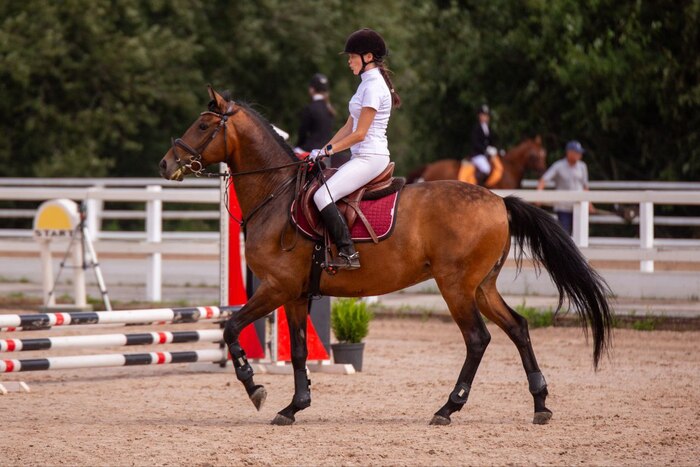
(113, 360)
(31, 322)
(110, 340)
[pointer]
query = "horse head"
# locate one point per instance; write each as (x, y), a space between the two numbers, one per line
(535, 156)
(209, 140)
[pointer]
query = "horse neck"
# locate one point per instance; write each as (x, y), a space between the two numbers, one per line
(514, 161)
(255, 149)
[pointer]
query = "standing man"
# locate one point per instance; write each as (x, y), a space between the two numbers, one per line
(569, 173)
(483, 144)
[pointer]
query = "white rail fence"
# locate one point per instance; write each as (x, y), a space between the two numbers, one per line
(154, 242)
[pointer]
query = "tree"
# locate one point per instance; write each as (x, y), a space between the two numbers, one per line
(97, 87)
(88, 87)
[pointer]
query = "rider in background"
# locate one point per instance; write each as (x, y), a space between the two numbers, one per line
(483, 144)
(317, 118)
(364, 133)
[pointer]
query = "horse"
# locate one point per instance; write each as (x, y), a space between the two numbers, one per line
(528, 155)
(457, 233)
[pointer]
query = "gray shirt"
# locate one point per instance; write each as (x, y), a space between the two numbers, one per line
(567, 177)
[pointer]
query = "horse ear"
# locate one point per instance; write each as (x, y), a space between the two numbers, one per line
(538, 140)
(216, 97)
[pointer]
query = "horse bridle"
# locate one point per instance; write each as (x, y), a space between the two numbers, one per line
(196, 166)
(194, 163)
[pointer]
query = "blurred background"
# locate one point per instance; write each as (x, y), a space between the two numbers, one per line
(97, 87)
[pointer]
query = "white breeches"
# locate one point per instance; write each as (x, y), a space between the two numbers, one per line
(354, 174)
(482, 163)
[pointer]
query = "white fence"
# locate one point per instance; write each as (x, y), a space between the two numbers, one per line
(154, 242)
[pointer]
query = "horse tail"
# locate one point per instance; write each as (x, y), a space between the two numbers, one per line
(550, 246)
(416, 174)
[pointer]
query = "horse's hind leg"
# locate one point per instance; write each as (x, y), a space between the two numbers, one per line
(497, 310)
(463, 308)
(296, 318)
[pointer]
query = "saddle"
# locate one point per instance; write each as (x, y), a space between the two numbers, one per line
(467, 172)
(382, 185)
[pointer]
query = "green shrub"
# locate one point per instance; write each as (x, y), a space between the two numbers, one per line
(647, 324)
(535, 318)
(350, 320)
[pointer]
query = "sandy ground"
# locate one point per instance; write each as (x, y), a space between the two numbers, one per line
(642, 407)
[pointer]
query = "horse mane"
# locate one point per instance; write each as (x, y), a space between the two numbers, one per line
(517, 149)
(264, 123)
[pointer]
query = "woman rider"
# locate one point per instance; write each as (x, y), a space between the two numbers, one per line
(364, 133)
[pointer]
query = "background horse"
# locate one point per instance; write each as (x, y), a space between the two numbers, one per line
(528, 155)
(429, 240)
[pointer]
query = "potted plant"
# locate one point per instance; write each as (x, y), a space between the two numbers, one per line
(350, 323)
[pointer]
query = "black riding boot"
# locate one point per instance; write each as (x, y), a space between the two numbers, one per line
(347, 257)
(481, 177)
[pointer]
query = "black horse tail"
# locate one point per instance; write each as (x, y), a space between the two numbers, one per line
(551, 247)
(415, 174)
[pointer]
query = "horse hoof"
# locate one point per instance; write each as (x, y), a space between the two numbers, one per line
(440, 420)
(281, 420)
(542, 418)
(258, 397)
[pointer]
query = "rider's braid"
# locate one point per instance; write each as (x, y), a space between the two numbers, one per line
(395, 98)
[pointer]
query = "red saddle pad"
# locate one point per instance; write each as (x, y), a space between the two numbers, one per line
(381, 214)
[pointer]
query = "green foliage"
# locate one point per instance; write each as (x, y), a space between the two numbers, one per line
(535, 317)
(93, 85)
(97, 87)
(620, 76)
(646, 324)
(350, 320)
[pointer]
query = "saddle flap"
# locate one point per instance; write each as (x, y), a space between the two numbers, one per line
(349, 205)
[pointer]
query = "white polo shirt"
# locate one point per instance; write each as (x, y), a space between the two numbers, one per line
(372, 92)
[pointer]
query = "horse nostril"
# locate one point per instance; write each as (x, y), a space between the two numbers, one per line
(163, 164)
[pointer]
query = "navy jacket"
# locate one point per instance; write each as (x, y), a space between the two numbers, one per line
(316, 126)
(480, 141)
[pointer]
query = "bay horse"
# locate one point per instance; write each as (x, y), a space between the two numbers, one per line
(456, 233)
(530, 154)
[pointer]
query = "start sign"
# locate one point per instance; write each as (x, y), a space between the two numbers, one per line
(56, 218)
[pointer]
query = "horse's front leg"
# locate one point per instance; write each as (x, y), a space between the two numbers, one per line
(297, 312)
(260, 304)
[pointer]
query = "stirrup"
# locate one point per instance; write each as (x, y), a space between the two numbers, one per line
(345, 261)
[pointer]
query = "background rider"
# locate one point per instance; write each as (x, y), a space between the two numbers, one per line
(483, 142)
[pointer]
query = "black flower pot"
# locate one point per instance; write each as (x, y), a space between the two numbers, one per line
(349, 353)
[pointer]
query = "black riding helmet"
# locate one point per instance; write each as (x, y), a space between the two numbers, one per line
(366, 41)
(319, 82)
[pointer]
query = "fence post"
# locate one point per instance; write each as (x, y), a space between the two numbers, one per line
(223, 237)
(93, 214)
(646, 233)
(581, 223)
(154, 230)
(47, 272)
(79, 275)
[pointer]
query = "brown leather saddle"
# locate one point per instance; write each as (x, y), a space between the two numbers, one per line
(382, 185)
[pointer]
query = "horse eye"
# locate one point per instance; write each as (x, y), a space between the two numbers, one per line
(203, 126)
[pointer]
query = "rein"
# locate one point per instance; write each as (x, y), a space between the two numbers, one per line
(195, 164)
